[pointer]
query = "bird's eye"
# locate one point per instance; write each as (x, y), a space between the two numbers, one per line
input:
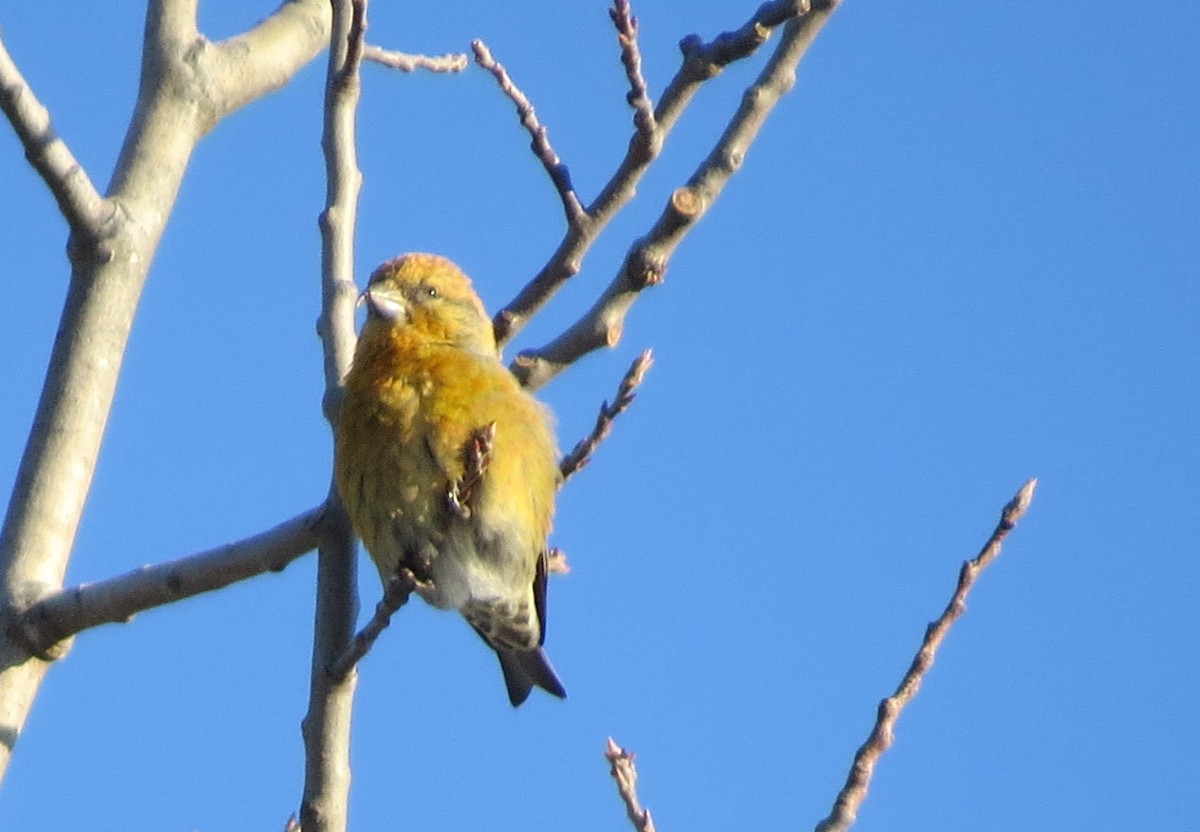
(431, 291)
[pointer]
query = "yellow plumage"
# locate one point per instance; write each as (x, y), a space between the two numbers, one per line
(425, 380)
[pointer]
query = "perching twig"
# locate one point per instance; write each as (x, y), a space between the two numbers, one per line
(625, 774)
(476, 458)
(581, 454)
(406, 62)
(845, 808)
(395, 595)
(558, 172)
(631, 58)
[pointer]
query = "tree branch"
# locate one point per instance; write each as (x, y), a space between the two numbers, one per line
(109, 269)
(86, 211)
(540, 144)
(631, 58)
(581, 454)
(845, 808)
(326, 728)
(477, 456)
(248, 66)
(395, 596)
(647, 260)
(406, 62)
(62, 614)
(625, 775)
(701, 61)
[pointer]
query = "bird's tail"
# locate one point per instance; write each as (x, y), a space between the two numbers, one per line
(525, 668)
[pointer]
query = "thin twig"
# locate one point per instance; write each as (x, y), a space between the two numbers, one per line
(540, 144)
(701, 61)
(624, 773)
(556, 561)
(581, 454)
(476, 457)
(395, 595)
(407, 62)
(86, 211)
(631, 58)
(64, 613)
(646, 262)
(845, 808)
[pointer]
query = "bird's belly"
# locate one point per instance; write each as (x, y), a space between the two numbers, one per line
(465, 572)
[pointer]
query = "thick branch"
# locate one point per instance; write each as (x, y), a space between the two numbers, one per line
(646, 262)
(845, 808)
(326, 725)
(85, 210)
(107, 277)
(250, 65)
(701, 61)
(326, 728)
(63, 614)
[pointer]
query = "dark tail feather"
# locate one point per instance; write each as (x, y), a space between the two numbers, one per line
(524, 669)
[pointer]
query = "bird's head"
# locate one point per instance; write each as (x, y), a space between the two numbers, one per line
(430, 298)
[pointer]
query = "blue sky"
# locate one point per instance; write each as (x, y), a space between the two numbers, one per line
(963, 252)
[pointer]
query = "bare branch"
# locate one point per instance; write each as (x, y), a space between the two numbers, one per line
(581, 455)
(343, 183)
(109, 270)
(625, 774)
(326, 728)
(631, 58)
(701, 61)
(86, 211)
(540, 145)
(326, 725)
(406, 62)
(395, 596)
(647, 260)
(250, 65)
(170, 29)
(62, 614)
(727, 47)
(845, 808)
(476, 458)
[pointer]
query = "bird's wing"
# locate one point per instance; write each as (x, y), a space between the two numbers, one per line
(539, 594)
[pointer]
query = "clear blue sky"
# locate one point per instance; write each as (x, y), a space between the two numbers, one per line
(964, 252)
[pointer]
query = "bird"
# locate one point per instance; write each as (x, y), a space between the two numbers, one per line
(427, 384)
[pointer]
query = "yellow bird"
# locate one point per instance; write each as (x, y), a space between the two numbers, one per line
(426, 381)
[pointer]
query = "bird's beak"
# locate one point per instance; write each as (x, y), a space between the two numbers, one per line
(389, 305)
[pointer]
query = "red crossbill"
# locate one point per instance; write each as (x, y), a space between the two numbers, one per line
(425, 381)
